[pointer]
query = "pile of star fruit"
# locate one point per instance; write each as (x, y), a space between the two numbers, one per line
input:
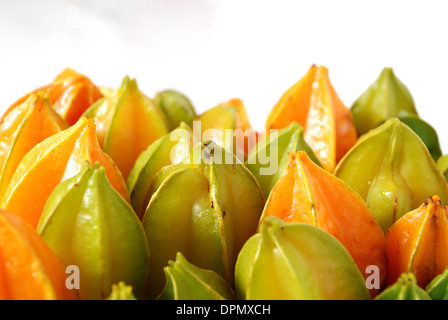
(112, 194)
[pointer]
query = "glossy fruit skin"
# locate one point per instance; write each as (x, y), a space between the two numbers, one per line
(121, 291)
(418, 243)
(57, 158)
(227, 124)
(389, 98)
(206, 210)
(70, 93)
(437, 289)
(327, 122)
(127, 122)
(442, 165)
(405, 288)
(425, 132)
(21, 129)
(392, 170)
(296, 261)
(29, 269)
(176, 107)
(264, 167)
(386, 98)
(171, 149)
(307, 193)
(87, 223)
(185, 281)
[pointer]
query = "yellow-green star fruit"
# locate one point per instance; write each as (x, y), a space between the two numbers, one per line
(270, 156)
(392, 170)
(171, 149)
(389, 98)
(88, 224)
(405, 288)
(206, 209)
(437, 289)
(185, 281)
(442, 165)
(386, 98)
(176, 107)
(427, 133)
(296, 261)
(121, 291)
(127, 122)
(227, 124)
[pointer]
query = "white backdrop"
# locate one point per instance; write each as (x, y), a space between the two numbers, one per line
(214, 50)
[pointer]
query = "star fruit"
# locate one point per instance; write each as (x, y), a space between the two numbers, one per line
(269, 157)
(389, 98)
(405, 288)
(121, 291)
(87, 223)
(307, 193)
(70, 93)
(385, 98)
(296, 261)
(418, 242)
(227, 124)
(127, 122)
(57, 158)
(392, 170)
(442, 165)
(425, 132)
(176, 107)
(21, 129)
(29, 269)
(437, 289)
(314, 104)
(185, 281)
(205, 209)
(170, 149)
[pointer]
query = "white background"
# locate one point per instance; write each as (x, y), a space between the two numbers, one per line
(214, 50)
